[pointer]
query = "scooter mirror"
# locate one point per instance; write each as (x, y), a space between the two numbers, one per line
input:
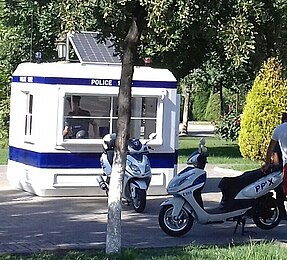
(202, 141)
(152, 136)
(201, 146)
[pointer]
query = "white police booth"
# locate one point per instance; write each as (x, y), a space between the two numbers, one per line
(45, 163)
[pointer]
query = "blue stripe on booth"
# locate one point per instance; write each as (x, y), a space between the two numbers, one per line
(89, 82)
(79, 160)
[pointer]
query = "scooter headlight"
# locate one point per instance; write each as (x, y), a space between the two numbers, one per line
(133, 167)
(147, 168)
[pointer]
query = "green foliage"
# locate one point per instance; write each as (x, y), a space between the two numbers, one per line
(201, 82)
(25, 27)
(213, 108)
(4, 121)
(79, 15)
(35, 26)
(264, 106)
(239, 40)
(200, 100)
(228, 127)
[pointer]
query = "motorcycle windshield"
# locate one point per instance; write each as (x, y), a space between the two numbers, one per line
(137, 156)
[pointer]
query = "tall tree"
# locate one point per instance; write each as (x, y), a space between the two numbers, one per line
(130, 44)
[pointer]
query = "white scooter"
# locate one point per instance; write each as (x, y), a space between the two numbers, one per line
(248, 195)
(137, 175)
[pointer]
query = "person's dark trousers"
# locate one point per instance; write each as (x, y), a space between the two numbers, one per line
(280, 196)
(285, 179)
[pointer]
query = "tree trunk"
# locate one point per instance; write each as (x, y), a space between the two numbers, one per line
(221, 99)
(185, 112)
(113, 239)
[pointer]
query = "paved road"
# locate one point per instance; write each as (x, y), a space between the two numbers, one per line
(32, 224)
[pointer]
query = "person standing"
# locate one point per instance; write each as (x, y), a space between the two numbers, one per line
(277, 160)
(279, 136)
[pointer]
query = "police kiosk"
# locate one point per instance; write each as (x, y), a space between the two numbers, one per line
(45, 162)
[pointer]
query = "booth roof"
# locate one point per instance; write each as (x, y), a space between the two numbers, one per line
(69, 70)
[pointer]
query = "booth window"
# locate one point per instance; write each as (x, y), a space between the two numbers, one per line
(28, 114)
(93, 116)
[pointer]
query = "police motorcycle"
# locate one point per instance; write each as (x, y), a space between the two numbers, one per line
(137, 174)
(249, 195)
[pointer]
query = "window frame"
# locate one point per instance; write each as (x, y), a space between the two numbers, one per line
(159, 94)
(28, 117)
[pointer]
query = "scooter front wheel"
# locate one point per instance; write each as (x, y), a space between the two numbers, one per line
(139, 201)
(175, 226)
(267, 216)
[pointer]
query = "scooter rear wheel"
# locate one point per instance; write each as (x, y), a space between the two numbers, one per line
(175, 226)
(139, 201)
(267, 216)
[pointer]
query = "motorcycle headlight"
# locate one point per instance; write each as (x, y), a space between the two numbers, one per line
(133, 167)
(147, 168)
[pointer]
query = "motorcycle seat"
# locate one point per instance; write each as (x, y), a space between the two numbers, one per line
(230, 186)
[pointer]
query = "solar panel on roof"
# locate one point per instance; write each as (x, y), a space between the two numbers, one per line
(90, 50)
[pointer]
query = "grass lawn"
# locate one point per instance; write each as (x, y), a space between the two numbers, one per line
(3, 156)
(222, 153)
(251, 251)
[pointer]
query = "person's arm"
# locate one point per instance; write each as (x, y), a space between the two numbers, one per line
(95, 128)
(276, 159)
(277, 155)
(269, 154)
(65, 131)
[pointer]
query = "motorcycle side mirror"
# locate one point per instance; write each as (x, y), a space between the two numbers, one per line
(152, 136)
(201, 147)
(202, 141)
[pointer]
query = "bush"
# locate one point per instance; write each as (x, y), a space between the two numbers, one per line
(263, 109)
(213, 108)
(200, 100)
(4, 122)
(228, 127)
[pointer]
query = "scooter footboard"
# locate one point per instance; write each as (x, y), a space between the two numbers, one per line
(177, 203)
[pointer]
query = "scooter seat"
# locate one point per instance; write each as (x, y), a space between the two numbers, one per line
(239, 182)
(230, 186)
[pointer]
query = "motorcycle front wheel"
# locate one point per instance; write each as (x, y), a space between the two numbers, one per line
(175, 226)
(267, 216)
(139, 201)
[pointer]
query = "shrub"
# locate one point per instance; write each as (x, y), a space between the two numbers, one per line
(263, 109)
(213, 108)
(228, 127)
(200, 100)
(4, 122)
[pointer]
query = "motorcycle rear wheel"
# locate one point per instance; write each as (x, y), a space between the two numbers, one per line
(139, 201)
(175, 226)
(267, 216)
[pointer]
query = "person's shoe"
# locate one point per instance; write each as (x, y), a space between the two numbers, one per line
(284, 216)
